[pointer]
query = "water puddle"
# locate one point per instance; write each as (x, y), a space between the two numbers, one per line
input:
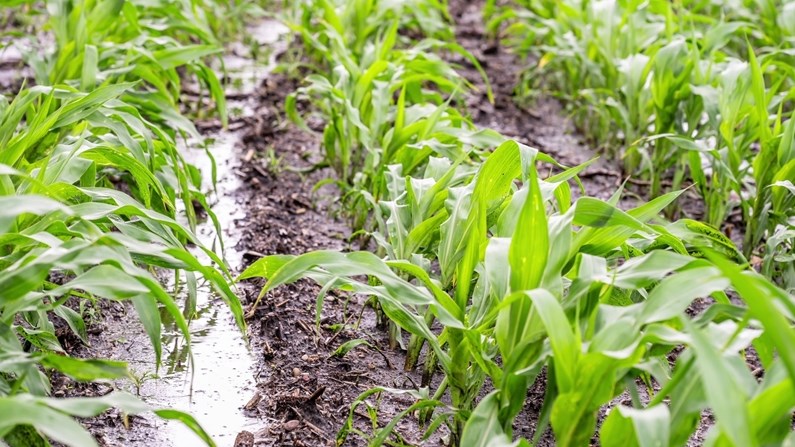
(12, 68)
(223, 378)
(222, 381)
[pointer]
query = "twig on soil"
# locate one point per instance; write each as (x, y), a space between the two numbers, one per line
(229, 95)
(253, 254)
(362, 415)
(345, 382)
(336, 334)
(332, 338)
(253, 402)
(260, 170)
(314, 397)
(268, 349)
(309, 331)
(375, 346)
(602, 172)
(311, 426)
(307, 170)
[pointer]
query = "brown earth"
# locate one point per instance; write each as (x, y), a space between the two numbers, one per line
(302, 384)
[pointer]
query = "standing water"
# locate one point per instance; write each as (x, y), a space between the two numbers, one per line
(222, 379)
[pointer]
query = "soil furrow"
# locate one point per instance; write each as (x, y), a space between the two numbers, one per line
(305, 392)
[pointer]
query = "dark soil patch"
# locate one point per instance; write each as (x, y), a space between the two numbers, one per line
(305, 393)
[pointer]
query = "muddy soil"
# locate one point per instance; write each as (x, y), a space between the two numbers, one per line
(305, 392)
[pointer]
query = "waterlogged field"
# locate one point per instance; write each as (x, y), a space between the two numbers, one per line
(488, 223)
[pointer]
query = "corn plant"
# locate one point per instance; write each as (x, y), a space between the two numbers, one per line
(358, 23)
(115, 41)
(592, 354)
(582, 48)
(774, 165)
(738, 120)
(107, 43)
(93, 187)
(779, 249)
(64, 237)
(676, 92)
(385, 105)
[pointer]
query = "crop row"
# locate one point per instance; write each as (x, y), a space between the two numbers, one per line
(96, 200)
(498, 276)
(692, 92)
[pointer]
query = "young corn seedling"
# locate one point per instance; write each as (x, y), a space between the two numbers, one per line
(669, 85)
(559, 305)
(779, 256)
(584, 53)
(684, 92)
(408, 223)
(773, 166)
(68, 232)
(709, 373)
(102, 45)
(124, 145)
(116, 41)
(105, 245)
(357, 23)
(532, 259)
(381, 112)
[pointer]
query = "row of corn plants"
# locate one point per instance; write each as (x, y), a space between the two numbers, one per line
(97, 201)
(691, 92)
(501, 279)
